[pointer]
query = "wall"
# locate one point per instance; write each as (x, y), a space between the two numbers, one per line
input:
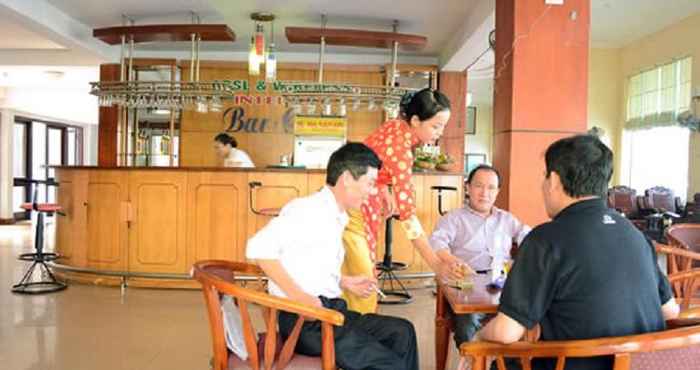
(198, 130)
(678, 40)
(482, 141)
(72, 104)
(6, 136)
(605, 100)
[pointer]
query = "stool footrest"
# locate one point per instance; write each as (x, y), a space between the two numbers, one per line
(394, 266)
(46, 257)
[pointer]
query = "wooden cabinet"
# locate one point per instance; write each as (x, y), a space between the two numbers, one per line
(217, 204)
(107, 193)
(271, 190)
(160, 221)
(157, 229)
(427, 201)
(70, 230)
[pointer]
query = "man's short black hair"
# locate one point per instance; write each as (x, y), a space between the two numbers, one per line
(583, 163)
(353, 157)
(484, 167)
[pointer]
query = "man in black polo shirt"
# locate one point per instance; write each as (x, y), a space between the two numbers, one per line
(589, 273)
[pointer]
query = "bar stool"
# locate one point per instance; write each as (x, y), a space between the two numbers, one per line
(270, 212)
(440, 189)
(397, 292)
(48, 282)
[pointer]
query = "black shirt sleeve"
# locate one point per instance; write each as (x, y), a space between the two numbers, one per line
(665, 292)
(531, 283)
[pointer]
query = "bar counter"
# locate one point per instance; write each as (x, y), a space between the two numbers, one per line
(146, 226)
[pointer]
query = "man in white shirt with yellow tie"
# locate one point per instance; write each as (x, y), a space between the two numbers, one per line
(302, 251)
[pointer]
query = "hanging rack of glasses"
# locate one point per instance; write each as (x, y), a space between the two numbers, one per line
(181, 95)
(304, 96)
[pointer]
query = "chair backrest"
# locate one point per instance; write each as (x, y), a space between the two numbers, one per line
(686, 236)
(639, 352)
(624, 199)
(219, 278)
(681, 275)
(685, 284)
(661, 198)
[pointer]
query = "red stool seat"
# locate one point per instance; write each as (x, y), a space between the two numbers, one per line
(42, 207)
(273, 212)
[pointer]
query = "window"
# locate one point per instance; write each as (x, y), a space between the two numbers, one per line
(654, 148)
(38, 145)
(656, 157)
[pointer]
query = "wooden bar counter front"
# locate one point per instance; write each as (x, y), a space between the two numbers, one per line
(147, 226)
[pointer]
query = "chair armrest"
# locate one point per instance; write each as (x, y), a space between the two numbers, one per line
(665, 249)
(284, 304)
(682, 322)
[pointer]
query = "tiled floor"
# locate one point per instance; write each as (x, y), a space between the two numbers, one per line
(90, 327)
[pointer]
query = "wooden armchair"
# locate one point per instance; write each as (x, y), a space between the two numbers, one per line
(660, 199)
(626, 201)
(683, 273)
(217, 279)
(684, 237)
(672, 349)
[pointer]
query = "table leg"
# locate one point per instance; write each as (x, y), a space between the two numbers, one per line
(442, 330)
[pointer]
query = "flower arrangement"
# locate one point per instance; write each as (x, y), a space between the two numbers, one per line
(424, 160)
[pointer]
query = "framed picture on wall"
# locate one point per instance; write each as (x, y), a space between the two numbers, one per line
(470, 125)
(471, 160)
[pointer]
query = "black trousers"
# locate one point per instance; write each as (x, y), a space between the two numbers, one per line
(364, 342)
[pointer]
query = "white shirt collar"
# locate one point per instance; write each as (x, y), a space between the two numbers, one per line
(329, 199)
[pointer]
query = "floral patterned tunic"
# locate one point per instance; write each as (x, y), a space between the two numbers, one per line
(393, 143)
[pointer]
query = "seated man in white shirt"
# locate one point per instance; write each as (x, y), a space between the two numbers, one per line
(302, 251)
(480, 235)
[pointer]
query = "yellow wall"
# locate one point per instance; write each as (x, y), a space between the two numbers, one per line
(482, 141)
(676, 41)
(605, 99)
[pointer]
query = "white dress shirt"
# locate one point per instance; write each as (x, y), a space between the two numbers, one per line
(238, 158)
(306, 238)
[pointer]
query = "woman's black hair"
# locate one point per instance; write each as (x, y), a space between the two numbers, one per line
(224, 139)
(424, 103)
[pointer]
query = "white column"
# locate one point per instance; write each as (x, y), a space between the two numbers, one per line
(7, 121)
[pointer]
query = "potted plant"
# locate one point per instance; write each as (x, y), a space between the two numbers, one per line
(424, 160)
(444, 162)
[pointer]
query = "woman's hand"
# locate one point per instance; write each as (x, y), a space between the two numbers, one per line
(388, 202)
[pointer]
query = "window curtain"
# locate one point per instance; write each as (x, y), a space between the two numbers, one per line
(656, 97)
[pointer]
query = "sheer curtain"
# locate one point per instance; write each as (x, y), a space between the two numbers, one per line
(655, 149)
(656, 157)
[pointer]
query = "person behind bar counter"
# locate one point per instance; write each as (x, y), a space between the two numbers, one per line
(225, 147)
(424, 115)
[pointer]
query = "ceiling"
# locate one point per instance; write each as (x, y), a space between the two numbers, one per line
(414, 16)
(58, 32)
(23, 38)
(617, 23)
(60, 77)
